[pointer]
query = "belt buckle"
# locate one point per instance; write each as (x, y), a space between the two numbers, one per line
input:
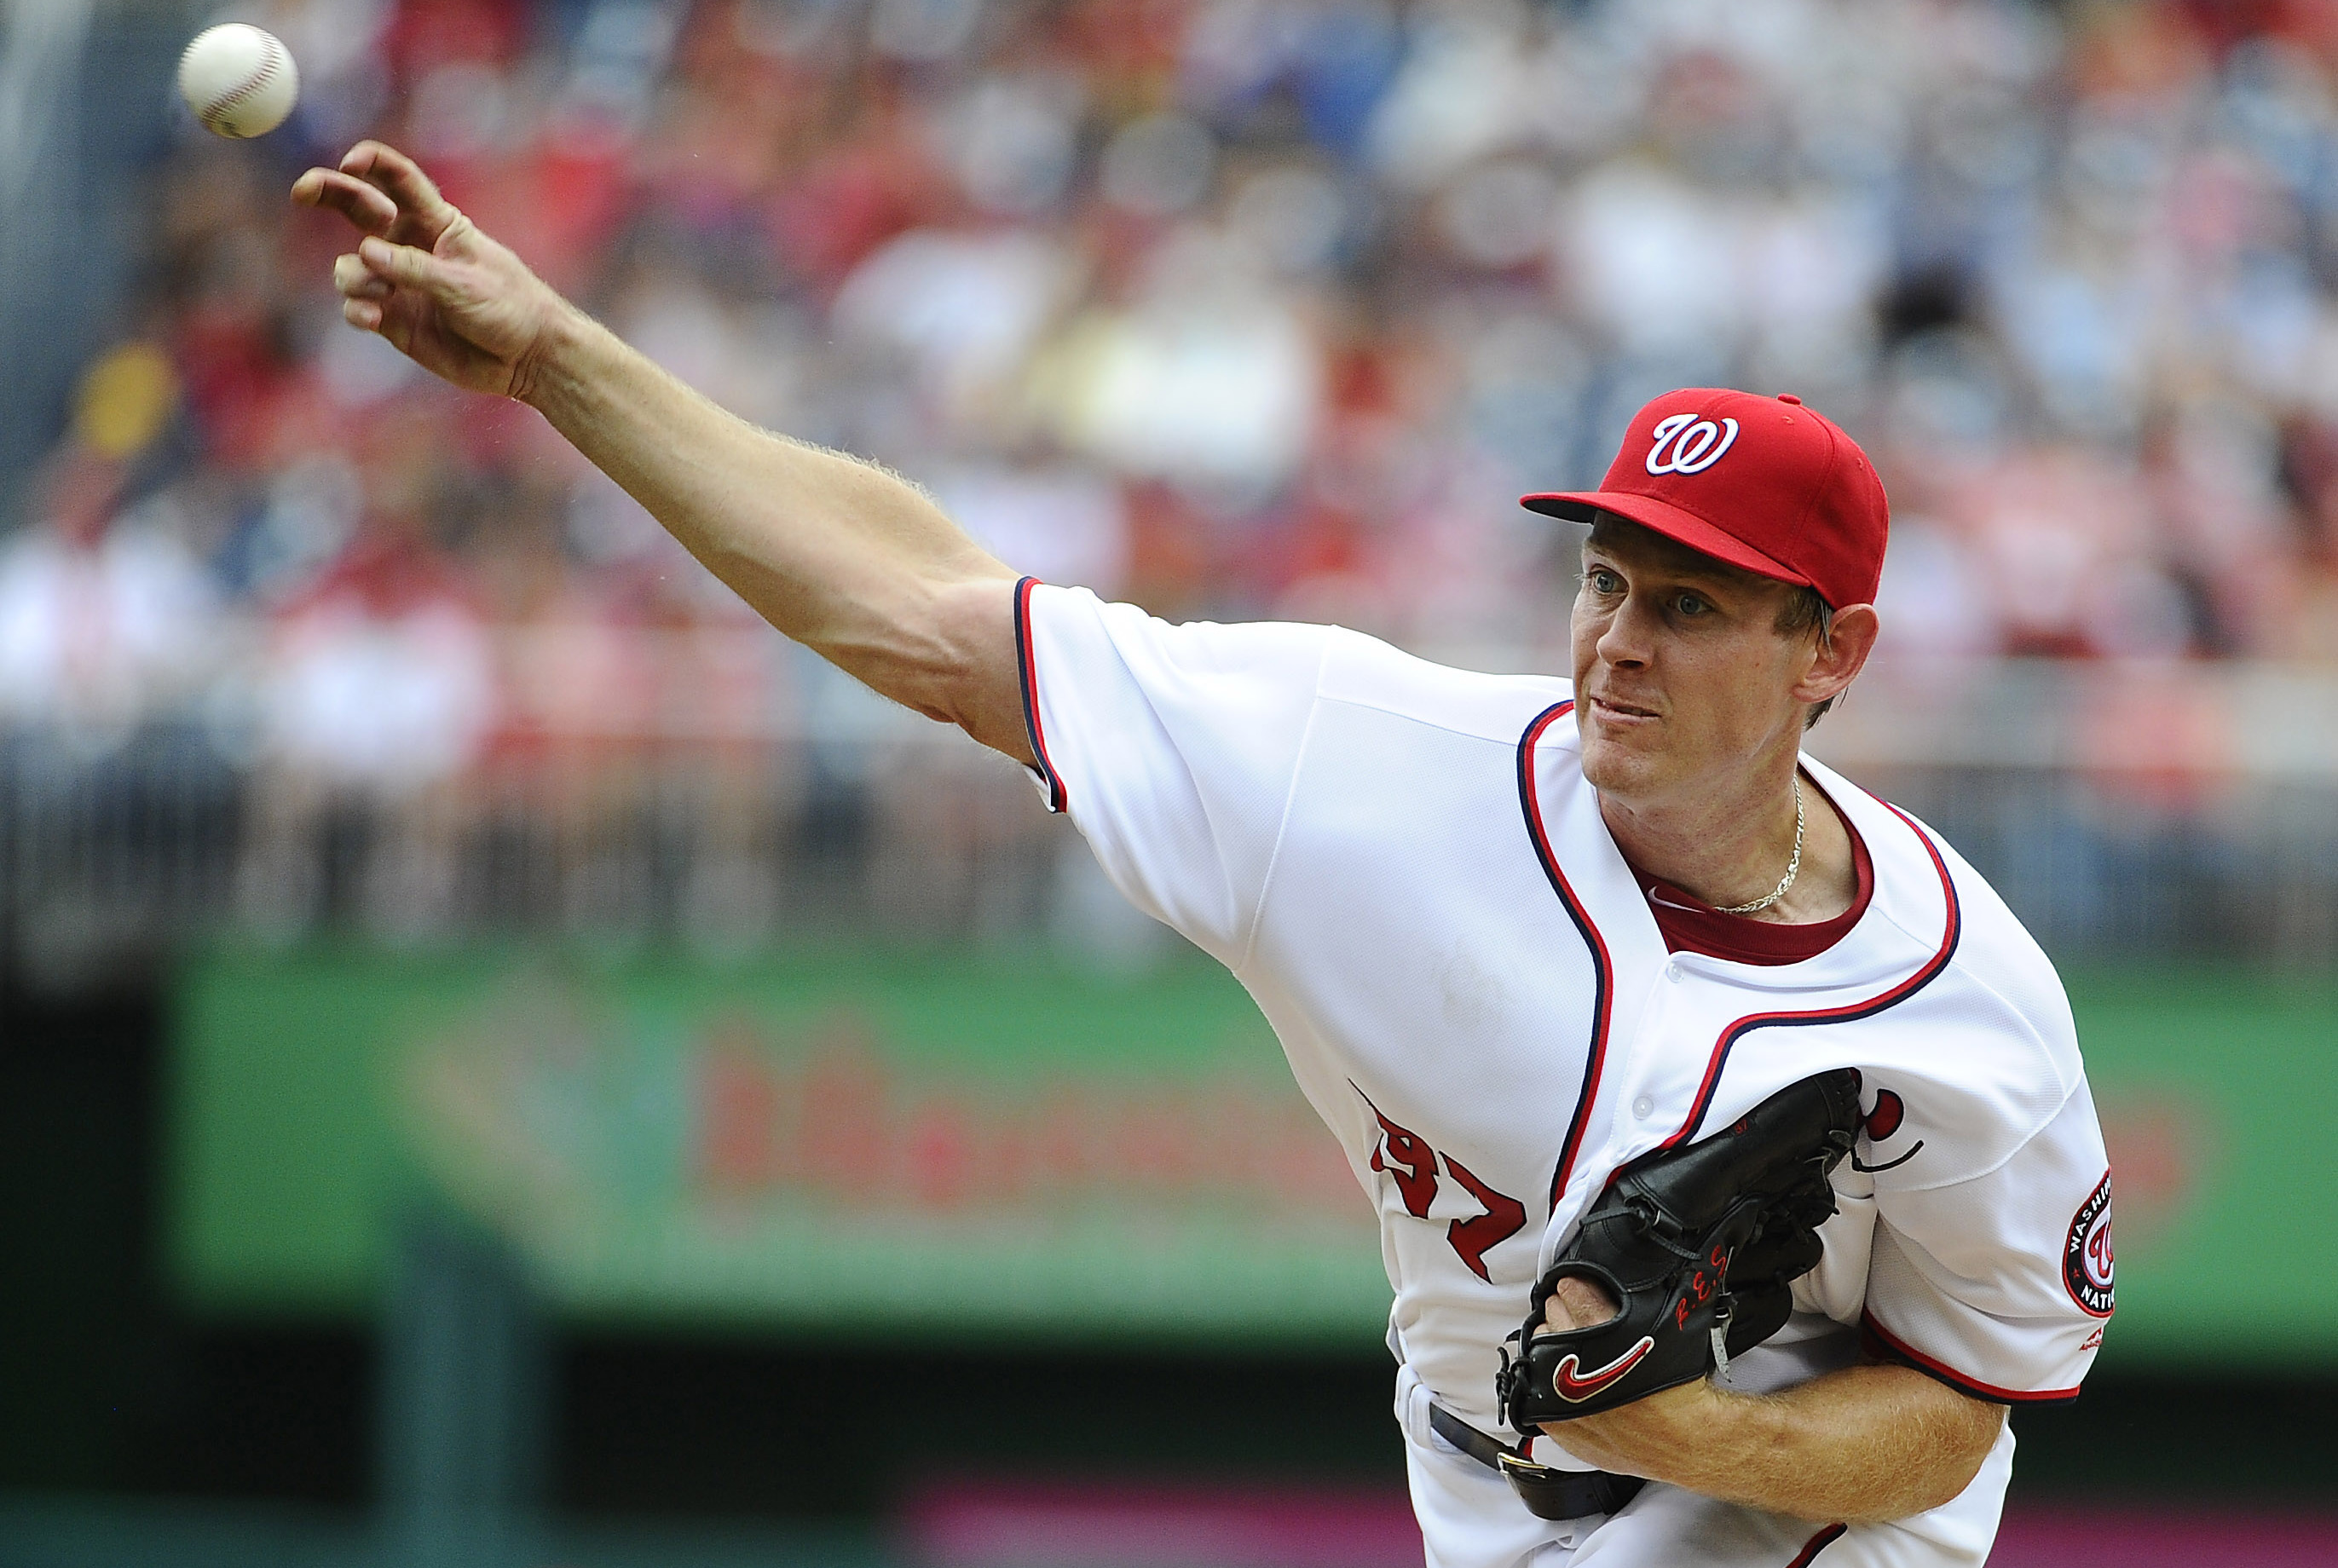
(1548, 1493)
(1518, 1467)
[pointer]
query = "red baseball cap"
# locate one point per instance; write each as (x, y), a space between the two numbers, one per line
(1762, 483)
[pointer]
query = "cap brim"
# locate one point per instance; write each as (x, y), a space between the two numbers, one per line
(1681, 526)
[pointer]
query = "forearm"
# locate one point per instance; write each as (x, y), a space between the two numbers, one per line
(838, 554)
(1866, 1443)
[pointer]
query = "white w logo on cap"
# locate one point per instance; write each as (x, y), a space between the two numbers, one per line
(1696, 443)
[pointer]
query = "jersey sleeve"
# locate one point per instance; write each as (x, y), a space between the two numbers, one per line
(1999, 1285)
(1173, 748)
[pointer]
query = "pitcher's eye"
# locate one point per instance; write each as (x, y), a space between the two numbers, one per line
(1692, 604)
(1599, 580)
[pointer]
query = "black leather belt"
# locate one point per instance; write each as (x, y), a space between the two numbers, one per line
(1548, 1493)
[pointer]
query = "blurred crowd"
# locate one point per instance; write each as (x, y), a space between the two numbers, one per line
(1234, 307)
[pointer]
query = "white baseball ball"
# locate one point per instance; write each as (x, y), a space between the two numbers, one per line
(238, 80)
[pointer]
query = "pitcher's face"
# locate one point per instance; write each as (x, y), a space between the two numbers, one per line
(1681, 676)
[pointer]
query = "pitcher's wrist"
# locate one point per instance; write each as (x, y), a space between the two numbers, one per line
(549, 362)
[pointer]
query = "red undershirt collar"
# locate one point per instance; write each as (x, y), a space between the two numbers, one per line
(1690, 924)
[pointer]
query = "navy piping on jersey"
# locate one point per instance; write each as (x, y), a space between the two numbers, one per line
(1954, 1378)
(1818, 1543)
(1857, 1010)
(1026, 671)
(1601, 965)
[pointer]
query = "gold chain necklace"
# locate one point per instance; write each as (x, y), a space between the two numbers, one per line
(1794, 866)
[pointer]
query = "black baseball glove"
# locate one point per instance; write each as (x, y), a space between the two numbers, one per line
(1699, 1246)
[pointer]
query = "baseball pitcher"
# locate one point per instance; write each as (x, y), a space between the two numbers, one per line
(1734, 1163)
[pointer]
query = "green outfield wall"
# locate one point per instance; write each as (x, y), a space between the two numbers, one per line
(994, 1141)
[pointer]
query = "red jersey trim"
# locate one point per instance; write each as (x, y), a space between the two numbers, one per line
(1954, 1379)
(1853, 1011)
(1602, 965)
(1057, 800)
(1818, 1543)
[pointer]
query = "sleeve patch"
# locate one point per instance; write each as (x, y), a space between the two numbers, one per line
(2087, 1253)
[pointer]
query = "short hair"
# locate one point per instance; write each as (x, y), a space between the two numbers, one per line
(1804, 611)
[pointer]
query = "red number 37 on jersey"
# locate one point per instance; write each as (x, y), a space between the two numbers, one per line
(1414, 1165)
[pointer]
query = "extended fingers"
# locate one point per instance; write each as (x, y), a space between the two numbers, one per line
(364, 206)
(353, 279)
(401, 178)
(402, 264)
(366, 279)
(365, 292)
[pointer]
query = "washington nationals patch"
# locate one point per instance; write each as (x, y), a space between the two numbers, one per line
(2087, 1254)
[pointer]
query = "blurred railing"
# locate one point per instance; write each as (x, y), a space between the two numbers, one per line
(2155, 809)
(718, 787)
(724, 790)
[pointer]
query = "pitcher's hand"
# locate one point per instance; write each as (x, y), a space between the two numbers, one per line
(424, 277)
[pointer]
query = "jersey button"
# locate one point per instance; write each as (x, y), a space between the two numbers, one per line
(1644, 1107)
(1672, 971)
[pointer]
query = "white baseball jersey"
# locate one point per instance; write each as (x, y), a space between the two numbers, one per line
(1406, 867)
